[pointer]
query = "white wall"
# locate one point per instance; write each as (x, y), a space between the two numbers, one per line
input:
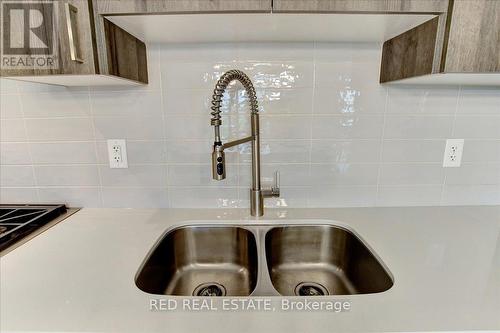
(336, 135)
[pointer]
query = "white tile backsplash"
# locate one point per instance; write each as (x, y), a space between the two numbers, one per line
(285, 127)
(130, 197)
(409, 195)
(344, 174)
(347, 127)
(411, 174)
(479, 101)
(418, 127)
(338, 137)
(56, 104)
(67, 175)
(349, 100)
(17, 176)
(180, 127)
(196, 197)
(8, 87)
(134, 176)
(481, 151)
(63, 152)
(477, 127)
(342, 196)
(200, 175)
(14, 195)
(138, 152)
(471, 195)
(345, 151)
(135, 127)
(12, 130)
(60, 129)
(408, 151)
(289, 151)
(144, 103)
(282, 101)
(195, 152)
(73, 196)
(15, 153)
(10, 106)
(290, 197)
(474, 174)
(187, 101)
(422, 101)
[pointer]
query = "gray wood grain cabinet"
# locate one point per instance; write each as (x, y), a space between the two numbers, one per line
(364, 6)
(117, 7)
(89, 49)
(71, 51)
(121, 54)
(67, 33)
(463, 41)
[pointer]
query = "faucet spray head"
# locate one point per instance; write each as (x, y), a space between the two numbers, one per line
(218, 162)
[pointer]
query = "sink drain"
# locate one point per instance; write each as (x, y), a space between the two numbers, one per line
(210, 289)
(310, 289)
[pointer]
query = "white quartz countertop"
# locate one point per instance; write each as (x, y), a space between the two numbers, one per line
(79, 275)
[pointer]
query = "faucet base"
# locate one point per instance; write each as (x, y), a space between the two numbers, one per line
(256, 202)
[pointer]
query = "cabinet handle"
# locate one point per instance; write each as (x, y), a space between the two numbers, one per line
(71, 24)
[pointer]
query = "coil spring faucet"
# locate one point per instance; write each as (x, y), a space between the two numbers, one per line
(257, 194)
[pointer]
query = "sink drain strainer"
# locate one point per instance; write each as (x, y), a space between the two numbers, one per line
(210, 289)
(310, 289)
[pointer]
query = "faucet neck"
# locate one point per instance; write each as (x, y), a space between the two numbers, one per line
(218, 159)
(255, 152)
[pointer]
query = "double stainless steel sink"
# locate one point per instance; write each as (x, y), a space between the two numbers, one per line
(262, 260)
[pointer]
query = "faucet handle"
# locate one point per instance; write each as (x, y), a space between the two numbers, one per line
(274, 191)
(276, 187)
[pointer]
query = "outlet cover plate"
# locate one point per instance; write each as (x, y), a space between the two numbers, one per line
(453, 153)
(117, 153)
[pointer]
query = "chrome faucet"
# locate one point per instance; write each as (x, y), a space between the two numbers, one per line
(257, 194)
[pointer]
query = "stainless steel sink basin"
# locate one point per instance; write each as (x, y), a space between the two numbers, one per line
(322, 260)
(262, 260)
(202, 261)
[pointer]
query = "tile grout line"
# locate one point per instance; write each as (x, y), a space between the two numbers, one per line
(312, 115)
(164, 128)
(28, 142)
(377, 193)
(248, 164)
(265, 115)
(266, 140)
(445, 177)
(96, 152)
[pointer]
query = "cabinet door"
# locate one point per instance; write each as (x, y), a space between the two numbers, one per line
(180, 6)
(76, 41)
(29, 39)
(375, 6)
(474, 37)
(49, 38)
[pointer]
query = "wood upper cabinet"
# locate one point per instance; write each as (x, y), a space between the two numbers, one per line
(89, 49)
(121, 54)
(473, 39)
(117, 7)
(68, 35)
(465, 40)
(366, 6)
(65, 42)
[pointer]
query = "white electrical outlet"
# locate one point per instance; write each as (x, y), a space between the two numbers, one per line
(453, 153)
(117, 152)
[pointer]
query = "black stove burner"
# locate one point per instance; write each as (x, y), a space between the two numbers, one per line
(17, 221)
